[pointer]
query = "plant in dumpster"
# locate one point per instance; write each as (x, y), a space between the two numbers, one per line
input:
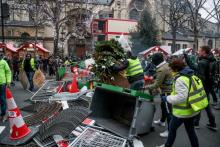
(107, 53)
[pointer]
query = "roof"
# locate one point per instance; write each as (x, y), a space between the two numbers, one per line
(164, 49)
(19, 23)
(105, 2)
(179, 36)
(9, 46)
(181, 51)
(39, 46)
(184, 35)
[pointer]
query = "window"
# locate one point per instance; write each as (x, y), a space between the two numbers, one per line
(184, 46)
(169, 44)
(134, 14)
(100, 37)
(10, 33)
(210, 43)
(101, 25)
(177, 47)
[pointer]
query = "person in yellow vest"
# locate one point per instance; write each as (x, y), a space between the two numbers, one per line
(134, 71)
(29, 66)
(5, 79)
(67, 61)
(188, 98)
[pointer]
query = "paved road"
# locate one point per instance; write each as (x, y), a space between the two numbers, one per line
(206, 137)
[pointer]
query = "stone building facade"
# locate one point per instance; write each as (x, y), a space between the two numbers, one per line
(20, 28)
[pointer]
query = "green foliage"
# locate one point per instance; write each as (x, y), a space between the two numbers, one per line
(107, 53)
(146, 35)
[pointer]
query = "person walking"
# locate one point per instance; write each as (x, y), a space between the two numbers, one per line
(188, 97)
(15, 64)
(164, 82)
(203, 71)
(217, 79)
(29, 66)
(5, 80)
(134, 71)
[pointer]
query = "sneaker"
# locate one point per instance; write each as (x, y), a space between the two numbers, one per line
(164, 134)
(212, 127)
(217, 107)
(214, 103)
(158, 122)
(163, 145)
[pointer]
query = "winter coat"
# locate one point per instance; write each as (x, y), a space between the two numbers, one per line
(181, 89)
(5, 72)
(202, 69)
(125, 64)
(163, 78)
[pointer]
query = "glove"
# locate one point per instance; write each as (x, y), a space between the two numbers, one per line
(164, 98)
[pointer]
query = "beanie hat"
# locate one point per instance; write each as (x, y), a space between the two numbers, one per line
(157, 58)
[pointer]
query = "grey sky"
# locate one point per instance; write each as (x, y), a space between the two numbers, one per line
(209, 6)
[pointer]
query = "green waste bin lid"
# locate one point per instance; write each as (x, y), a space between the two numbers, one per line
(124, 90)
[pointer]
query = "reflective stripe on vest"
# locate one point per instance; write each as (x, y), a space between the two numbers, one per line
(197, 98)
(134, 67)
(32, 62)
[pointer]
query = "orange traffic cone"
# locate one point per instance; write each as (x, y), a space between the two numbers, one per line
(74, 87)
(17, 125)
(19, 132)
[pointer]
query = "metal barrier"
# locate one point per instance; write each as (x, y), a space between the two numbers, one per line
(49, 89)
(91, 137)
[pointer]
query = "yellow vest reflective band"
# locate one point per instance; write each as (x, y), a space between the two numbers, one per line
(197, 99)
(33, 66)
(32, 62)
(134, 67)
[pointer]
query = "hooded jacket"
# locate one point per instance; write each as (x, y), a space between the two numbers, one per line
(5, 72)
(181, 88)
(202, 69)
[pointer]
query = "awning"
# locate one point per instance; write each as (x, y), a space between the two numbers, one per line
(9, 46)
(181, 51)
(164, 49)
(31, 46)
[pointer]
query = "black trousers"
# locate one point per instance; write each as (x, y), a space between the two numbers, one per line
(175, 123)
(166, 111)
(209, 112)
(214, 97)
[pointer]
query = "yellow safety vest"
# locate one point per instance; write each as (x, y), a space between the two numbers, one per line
(197, 99)
(66, 62)
(32, 62)
(134, 67)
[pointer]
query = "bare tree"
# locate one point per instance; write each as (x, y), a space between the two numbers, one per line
(215, 13)
(57, 14)
(175, 14)
(197, 23)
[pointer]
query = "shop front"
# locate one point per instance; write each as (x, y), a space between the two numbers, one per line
(33, 49)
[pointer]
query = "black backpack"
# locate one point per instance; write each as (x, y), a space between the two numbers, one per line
(214, 70)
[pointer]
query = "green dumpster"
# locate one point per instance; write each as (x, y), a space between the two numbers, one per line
(125, 112)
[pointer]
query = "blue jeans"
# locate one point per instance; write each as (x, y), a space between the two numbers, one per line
(175, 123)
(137, 85)
(3, 99)
(30, 76)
